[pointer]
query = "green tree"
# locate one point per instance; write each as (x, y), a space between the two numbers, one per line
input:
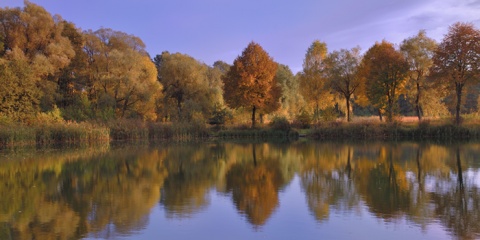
(456, 61)
(385, 71)
(251, 82)
(291, 101)
(189, 86)
(313, 80)
(342, 73)
(418, 51)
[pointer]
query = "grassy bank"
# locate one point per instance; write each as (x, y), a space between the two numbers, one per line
(395, 131)
(128, 130)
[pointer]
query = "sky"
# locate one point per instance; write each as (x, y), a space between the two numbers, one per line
(211, 30)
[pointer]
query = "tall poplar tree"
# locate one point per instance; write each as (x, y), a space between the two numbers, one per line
(251, 83)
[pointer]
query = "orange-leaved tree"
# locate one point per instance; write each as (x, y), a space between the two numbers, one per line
(385, 71)
(456, 62)
(251, 83)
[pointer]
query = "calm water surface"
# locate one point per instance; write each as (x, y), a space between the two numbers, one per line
(302, 190)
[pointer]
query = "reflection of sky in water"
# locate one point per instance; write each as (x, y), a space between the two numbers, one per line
(473, 177)
(291, 220)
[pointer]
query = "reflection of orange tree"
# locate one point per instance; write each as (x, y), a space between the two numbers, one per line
(254, 186)
(65, 199)
(325, 178)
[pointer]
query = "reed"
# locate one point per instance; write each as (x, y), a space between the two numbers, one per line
(395, 131)
(48, 134)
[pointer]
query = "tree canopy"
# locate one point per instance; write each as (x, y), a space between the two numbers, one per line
(385, 71)
(48, 64)
(251, 82)
(456, 62)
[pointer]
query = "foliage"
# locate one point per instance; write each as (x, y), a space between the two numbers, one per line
(280, 123)
(418, 51)
(219, 115)
(385, 71)
(342, 73)
(51, 71)
(121, 71)
(19, 95)
(291, 101)
(189, 86)
(456, 61)
(313, 79)
(303, 119)
(251, 82)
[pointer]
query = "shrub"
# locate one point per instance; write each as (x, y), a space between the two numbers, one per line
(280, 123)
(303, 120)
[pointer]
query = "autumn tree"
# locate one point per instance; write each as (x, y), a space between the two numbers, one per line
(312, 78)
(31, 37)
(19, 95)
(251, 83)
(342, 74)
(189, 86)
(418, 51)
(456, 62)
(385, 71)
(121, 78)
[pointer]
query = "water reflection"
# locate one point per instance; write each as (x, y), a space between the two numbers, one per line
(108, 193)
(254, 184)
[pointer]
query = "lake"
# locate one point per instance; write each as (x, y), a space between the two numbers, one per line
(236, 190)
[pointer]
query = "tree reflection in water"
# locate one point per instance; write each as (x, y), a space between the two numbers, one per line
(255, 187)
(107, 193)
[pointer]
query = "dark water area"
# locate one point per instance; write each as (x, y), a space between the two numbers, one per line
(300, 190)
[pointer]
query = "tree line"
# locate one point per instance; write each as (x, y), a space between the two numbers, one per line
(48, 65)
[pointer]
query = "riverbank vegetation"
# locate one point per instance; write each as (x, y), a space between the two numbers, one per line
(61, 84)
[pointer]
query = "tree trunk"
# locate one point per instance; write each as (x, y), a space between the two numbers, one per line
(419, 167)
(458, 89)
(348, 108)
(380, 115)
(348, 168)
(390, 111)
(261, 118)
(179, 108)
(459, 168)
(254, 153)
(417, 103)
(253, 116)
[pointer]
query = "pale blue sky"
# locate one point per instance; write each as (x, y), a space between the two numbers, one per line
(211, 30)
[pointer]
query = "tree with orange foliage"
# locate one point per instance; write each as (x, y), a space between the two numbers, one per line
(456, 62)
(251, 83)
(385, 71)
